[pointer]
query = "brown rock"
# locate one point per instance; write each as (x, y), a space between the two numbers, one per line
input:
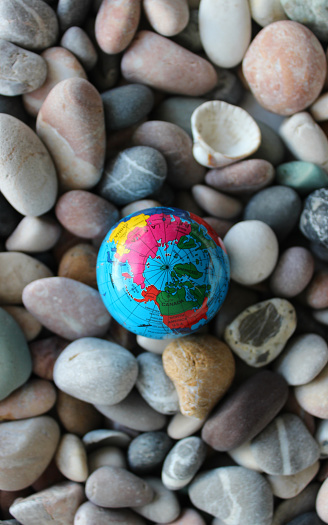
(116, 24)
(34, 398)
(29, 325)
(285, 67)
(202, 369)
(317, 292)
(79, 263)
(44, 354)
(180, 71)
(293, 272)
(244, 176)
(76, 416)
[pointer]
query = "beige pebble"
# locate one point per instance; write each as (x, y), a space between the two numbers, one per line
(143, 204)
(71, 458)
(116, 24)
(264, 12)
(167, 17)
(313, 397)
(34, 398)
(76, 416)
(106, 456)
(286, 487)
(181, 426)
(317, 292)
(103, 437)
(79, 263)
(321, 504)
(29, 325)
(244, 457)
(319, 109)
(290, 508)
(34, 234)
(157, 346)
(90, 514)
(216, 203)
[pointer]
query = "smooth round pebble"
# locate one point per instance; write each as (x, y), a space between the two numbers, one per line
(103, 437)
(182, 462)
(157, 346)
(317, 291)
(29, 325)
(314, 217)
(286, 487)
(319, 109)
(167, 17)
(76, 416)
(79, 263)
(293, 272)
(264, 12)
(116, 24)
(76, 40)
(312, 15)
(34, 398)
(313, 397)
(246, 176)
(164, 507)
(251, 266)
(147, 451)
(90, 514)
(106, 456)
(133, 207)
(34, 234)
(321, 505)
(216, 203)
(125, 106)
(71, 458)
(181, 426)
(303, 177)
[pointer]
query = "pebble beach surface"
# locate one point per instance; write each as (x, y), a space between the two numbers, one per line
(109, 107)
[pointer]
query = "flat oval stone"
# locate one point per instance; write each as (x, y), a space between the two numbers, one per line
(244, 176)
(107, 372)
(76, 416)
(72, 126)
(79, 263)
(286, 487)
(178, 110)
(34, 234)
(313, 397)
(116, 24)
(30, 442)
(21, 71)
(34, 398)
(16, 363)
(127, 490)
(147, 451)
(85, 214)
(164, 507)
(125, 106)
(44, 353)
(71, 458)
(293, 272)
(235, 493)
(182, 462)
(32, 25)
(288, 89)
(203, 361)
(106, 457)
(25, 165)
(181, 426)
(89, 513)
(72, 12)
(285, 446)
(154, 385)
(182, 72)
(303, 177)
(77, 312)
(167, 17)
(218, 22)
(316, 293)
(76, 40)
(60, 64)
(144, 170)
(104, 437)
(314, 218)
(29, 325)
(246, 412)
(133, 412)
(216, 203)
(57, 503)
(314, 16)
(302, 359)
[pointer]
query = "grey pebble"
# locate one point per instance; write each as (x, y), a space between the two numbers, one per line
(72, 12)
(312, 14)
(90, 514)
(178, 110)
(293, 507)
(148, 451)
(182, 462)
(228, 88)
(76, 40)
(125, 106)
(314, 217)
(133, 174)
(272, 148)
(164, 507)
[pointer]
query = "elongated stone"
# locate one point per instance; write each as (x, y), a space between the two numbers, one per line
(303, 177)
(34, 234)
(182, 462)
(167, 17)
(89, 513)
(244, 176)
(116, 24)
(71, 458)
(29, 325)
(76, 40)
(164, 506)
(34, 398)
(293, 272)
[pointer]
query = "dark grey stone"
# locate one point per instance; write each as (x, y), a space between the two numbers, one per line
(178, 110)
(126, 105)
(310, 518)
(148, 451)
(190, 37)
(72, 12)
(314, 217)
(9, 217)
(229, 88)
(272, 148)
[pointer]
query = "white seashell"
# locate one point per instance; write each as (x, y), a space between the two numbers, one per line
(319, 109)
(223, 134)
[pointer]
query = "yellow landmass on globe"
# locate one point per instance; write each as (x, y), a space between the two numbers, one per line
(121, 232)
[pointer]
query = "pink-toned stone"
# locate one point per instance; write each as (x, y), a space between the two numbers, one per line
(44, 354)
(216, 203)
(285, 67)
(66, 307)
(160, 63)
(30, 326)
(34, 234)
(72, 126)
(293, 272)
(34, 398)
(76, 416)
(79, 263)
(317, 291)
(167, 17)
(61, 64)
(85, 214)
(116, 24)
(244, 176)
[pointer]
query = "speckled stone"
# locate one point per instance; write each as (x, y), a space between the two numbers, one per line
(277, 206)
(106, 372)
(30, 442)
(313, 397)
(260, 332)
(34, 398)
(133, 174)
(167, 17)
(25, 165)
(203, 362)
(317, 291)
(71, 458)
(34, 234)
(72, 12)
(106, 456)
(29, 325)
(303, 359)
(312, 15)
(31, 24)
(76, 40)
(77, 312)
(293, 272)
(233, 493)
(79, 263)
(88, 514)
(57, 504)
(44, 353)
(246, 412)
(116, 24)
(286, 487)
(125, 106)
(178, 110)
(155, 386)
(147, 451)
(246, 176)
(182, 72)
(288, 89)
(285, 446)
(303, 502)
(164, 507)
(76, 416)
(216, 203)
(127, 490)
(304, 177)
(182, 462)
(181, 426)
(314, 217)
(272, 148)
(71, 124)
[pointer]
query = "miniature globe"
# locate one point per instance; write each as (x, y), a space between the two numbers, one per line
(162, 272)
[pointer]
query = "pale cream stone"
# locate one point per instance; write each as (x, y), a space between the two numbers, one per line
(319, 109)
(71, 458)
(133, 207)
(244, 457)
(182, 426)
(167, 17)
(34, 234)
(313, 397)
(264, 12)
(157, 346)
(286, 487)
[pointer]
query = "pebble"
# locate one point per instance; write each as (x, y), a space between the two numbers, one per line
(309, 518)
(285, 446)
(167, 17)
(88, 514)
(313, 221)
(102, 437)
(189, 37)
(142, 169)
(72, 12)
(182, 462)
(29, 325)
(72, 126)
(107, 372)
(259, 333)
(321, 502)
(71, 458)
(321, 437)
(61, 64)
(313, 397)
(303, 502)
(26, 449)
(293, 272)
(25, 165)
(245, 412)
(44, 353)
(33, 398)
(272, 148)
(215, 203)
(32, 25)
(314, 16)
(245, 176)
(182, 72)
(321, 316)
(76, 40)
(164, 507)
(220, 226)
(188, 517)
(178, 110)
(181, 426)
(185, 201)
(76, 416)
(125, 106)
(147, 451)
(155, 386)
(85, 214)
(316, 292)
(304, 177)
(34, 234)
(228, 88)
(233, 494)
(303, 359)
(285, 89)
(127, 490)
(218, 22)
(286, 487)
(16, 66)
(116, 24)
(136, 206)
(264, 12)
(106, 456)
(56, 504)
(247, 266)
(294, 407)
(202, 369)
(79, 263)
(77, 311)
(243, 456)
